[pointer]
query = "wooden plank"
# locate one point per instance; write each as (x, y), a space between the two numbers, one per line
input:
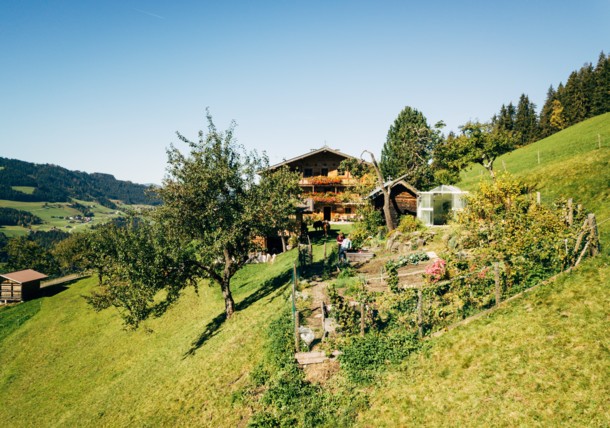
(359, 257)
(314, 357)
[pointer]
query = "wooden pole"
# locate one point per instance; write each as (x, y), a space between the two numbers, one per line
(584, 250)
(324, 248)
(498, 285)
(538, 198)
(323, 320)
(593, 235)
(297, 337)
(362, 319)
(570, 212)
(295, 314)
(420, 311)
(581, 235)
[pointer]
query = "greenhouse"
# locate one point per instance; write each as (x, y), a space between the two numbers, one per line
(436, 206)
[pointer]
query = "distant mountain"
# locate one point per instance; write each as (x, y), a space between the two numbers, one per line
(29, 182)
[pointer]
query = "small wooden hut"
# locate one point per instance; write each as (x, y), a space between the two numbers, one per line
(21, 285)
(403, 198)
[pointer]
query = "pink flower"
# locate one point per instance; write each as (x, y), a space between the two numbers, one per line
(436, 271)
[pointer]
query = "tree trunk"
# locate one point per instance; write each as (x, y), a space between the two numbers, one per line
(283, 238)
(226, 293)
(489, 166)
(225, 284)
(386, 195)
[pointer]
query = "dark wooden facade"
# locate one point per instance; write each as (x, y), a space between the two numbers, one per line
(324, 184)
(403, 199)
(20, 286)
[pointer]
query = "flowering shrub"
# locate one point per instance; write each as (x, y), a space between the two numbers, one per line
(324, 180)
(436, 271)
(325, 198)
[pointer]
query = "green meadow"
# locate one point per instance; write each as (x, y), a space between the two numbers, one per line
(54, 215)
(66, 365)
(540, 360)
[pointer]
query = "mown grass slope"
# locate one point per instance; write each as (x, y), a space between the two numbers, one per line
(543, 360)
(61, 364)
(572, 165)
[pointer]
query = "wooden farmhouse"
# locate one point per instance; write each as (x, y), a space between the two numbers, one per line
(321, 181)
(403, 198)
(20, 286)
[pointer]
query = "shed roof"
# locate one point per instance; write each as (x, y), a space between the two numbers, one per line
(390, 184)
(23, 276)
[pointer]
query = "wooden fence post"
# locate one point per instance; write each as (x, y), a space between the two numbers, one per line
(362, 312)
(498, 285)
(583, 230)
(538, 198)
(296, 332)
(593, 235)
(324, 248)
(295, 313)
(420, 311)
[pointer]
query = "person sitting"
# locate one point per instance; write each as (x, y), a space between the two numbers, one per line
(345, 245)
(340, 239)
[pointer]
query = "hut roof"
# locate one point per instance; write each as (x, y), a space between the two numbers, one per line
(390, 184)
(24, 276)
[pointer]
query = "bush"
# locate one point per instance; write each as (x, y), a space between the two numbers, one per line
(371, 221)
(409, 224)
(364, 357)
(287, 398)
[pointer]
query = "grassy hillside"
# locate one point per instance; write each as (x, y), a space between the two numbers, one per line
(64, 365)
(55, 215)
(572, 165)
(543, 360)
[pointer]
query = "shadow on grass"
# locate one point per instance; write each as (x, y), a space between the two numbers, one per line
(275, 284)
(52, 290)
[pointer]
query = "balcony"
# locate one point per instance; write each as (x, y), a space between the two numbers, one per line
(322, 180)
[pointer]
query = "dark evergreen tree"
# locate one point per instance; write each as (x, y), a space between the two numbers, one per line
(600, 102)
(505, 120)
(545, 113)
(526, 121)
(408, 148)
(577, 95)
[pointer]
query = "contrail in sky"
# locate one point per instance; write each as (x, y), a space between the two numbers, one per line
(148, 13)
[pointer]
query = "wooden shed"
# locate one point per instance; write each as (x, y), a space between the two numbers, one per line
(21, 285)
(403, 198)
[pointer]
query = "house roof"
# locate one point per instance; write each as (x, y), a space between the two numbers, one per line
(311, 153)
(23, 276)
(390, 184)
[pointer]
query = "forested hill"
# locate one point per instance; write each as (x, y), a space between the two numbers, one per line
(29, 182)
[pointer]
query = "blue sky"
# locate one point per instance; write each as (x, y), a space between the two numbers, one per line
(102, 86)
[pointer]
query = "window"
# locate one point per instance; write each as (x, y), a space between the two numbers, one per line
(348, 210)
(307, 172)
(324, 172)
